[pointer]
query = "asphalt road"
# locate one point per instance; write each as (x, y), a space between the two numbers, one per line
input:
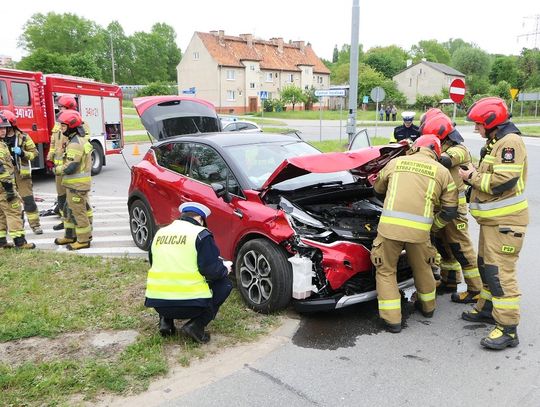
(345, 358)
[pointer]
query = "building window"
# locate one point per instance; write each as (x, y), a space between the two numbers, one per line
(230, 75)
(252, 67)
(252, 85)
(269, 77)
(231, 95)
(290, 77)
(319, 79)
(410, 82)
(196, 55)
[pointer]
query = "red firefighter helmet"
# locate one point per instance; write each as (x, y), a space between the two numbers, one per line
(429, 113)
(438, 124)
(10, 116)
(70, 118)
(489, 112)
(429, 141)
(67, 101)
(4, 122)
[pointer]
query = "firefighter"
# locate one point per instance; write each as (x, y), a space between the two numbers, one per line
(499, 205)
(10, 201)
(413, 185)
(23, 151)
(76, 178)
(407, 130)
(187, 278)
(453, 241)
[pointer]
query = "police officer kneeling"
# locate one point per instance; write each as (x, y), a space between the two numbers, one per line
(187, 278)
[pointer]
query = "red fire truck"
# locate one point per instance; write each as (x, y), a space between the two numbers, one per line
(32, 97)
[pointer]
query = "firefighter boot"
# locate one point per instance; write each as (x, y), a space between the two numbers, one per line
(479, 316)
(21, 243)
(37, 230)
(60, 226)
(444, 287)
(466, 297)
(196, 332)
(78, 245)
(166, 326)
(69, 237)
(4, 243)
(501, 337)
(393, 328)
(418, 306)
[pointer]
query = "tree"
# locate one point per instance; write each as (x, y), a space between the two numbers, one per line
(84, 64)
(172, 52)
(501, 89)
(310, 98)
(335, 55)
(158, 88)
(430, 50)
(505, 68)
(387, 60)
(529, 65)
(453, 44)
(472, 61)
(293, 95)
(46, 62)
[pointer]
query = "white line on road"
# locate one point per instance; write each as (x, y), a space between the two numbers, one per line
(98, 239)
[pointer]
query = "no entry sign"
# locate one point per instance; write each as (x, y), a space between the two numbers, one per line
(457, 90)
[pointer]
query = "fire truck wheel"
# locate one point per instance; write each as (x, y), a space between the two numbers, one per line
(97, 158)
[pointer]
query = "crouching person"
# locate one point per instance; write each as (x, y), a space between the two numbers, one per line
(187, 278)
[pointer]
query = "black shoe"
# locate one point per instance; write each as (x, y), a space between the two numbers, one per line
(60, 226)
(196, 332)
(478, 316)
(500, 338)
(393, 328)
(418, 306)
(444, 287)
(466, 297)
(166, 326)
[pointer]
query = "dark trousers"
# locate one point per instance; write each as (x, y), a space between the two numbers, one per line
(201, 315)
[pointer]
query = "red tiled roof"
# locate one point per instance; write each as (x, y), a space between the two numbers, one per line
(233, 50)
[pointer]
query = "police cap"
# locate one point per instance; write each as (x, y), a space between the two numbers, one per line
(200, 209)
(408, 116)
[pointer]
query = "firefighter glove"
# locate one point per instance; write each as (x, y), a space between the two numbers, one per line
(18, 151)
(49, 164)
(58, 170)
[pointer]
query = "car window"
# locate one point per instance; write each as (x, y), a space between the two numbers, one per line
(208, 166)
(230, 127)
(4, 100)
(21, 94)
(360, 140)
(173, 156)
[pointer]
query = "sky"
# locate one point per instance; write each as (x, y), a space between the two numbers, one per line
(493, 25)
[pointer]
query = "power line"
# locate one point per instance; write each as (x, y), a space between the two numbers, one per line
(535, 33)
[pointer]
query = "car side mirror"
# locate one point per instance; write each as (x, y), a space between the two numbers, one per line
(221, 192)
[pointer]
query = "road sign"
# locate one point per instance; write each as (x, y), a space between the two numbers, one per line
(263, 94)
(513, 93)
(365, 99)
(377, 94)
(329, 92)
(457, 90)
(190, 91)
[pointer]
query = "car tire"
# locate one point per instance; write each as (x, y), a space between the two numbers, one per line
(263, 276)
(141, 224)
(97, 158)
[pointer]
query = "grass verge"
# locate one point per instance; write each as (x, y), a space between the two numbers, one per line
(337, 145)
(533, 131)
(132, 123)
(49, 294)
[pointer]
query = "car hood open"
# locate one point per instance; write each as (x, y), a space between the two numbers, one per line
(169, 116)
(361, 162)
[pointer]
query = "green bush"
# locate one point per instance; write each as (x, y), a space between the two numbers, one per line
(268, 105)
(158, 88)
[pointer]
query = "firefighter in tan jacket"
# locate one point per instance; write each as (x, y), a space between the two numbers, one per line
(10, 201)
(413, 185)
(499, 205)
(23, 151)
(76, 177)
(453, 241)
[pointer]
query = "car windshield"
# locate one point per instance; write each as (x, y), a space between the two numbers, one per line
(258, 161)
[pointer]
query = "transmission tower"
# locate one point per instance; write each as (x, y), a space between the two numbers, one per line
(536, 33)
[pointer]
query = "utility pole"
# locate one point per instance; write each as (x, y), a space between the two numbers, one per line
(535, 33)
(112, 59)
(353, 71)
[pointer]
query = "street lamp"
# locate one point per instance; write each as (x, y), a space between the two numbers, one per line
(112, 59)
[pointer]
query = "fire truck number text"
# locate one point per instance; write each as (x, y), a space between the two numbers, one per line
(26, 113)
(91, 111)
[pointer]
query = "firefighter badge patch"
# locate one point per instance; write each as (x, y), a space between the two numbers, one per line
(508, 155)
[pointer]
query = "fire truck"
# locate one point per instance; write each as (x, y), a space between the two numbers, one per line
(32, 97)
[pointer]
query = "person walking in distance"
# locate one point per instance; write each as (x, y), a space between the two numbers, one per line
(10, 201)
(76, 178)
(499, 205)
(453, 241)
(412, 187)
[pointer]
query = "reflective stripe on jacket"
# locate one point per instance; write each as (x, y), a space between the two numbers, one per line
(77, 164)
(414, 186)
(498, 185)
(174, 274)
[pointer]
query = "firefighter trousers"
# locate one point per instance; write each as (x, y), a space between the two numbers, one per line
(25, 189)
(11, 217)
(385, 255)
(77, 223)
(498, 252)
(457, 254)
(60, 195)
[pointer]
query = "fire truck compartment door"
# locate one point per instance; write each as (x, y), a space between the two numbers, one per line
(92, 114)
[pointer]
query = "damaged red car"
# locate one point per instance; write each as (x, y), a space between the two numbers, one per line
(297, 224)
